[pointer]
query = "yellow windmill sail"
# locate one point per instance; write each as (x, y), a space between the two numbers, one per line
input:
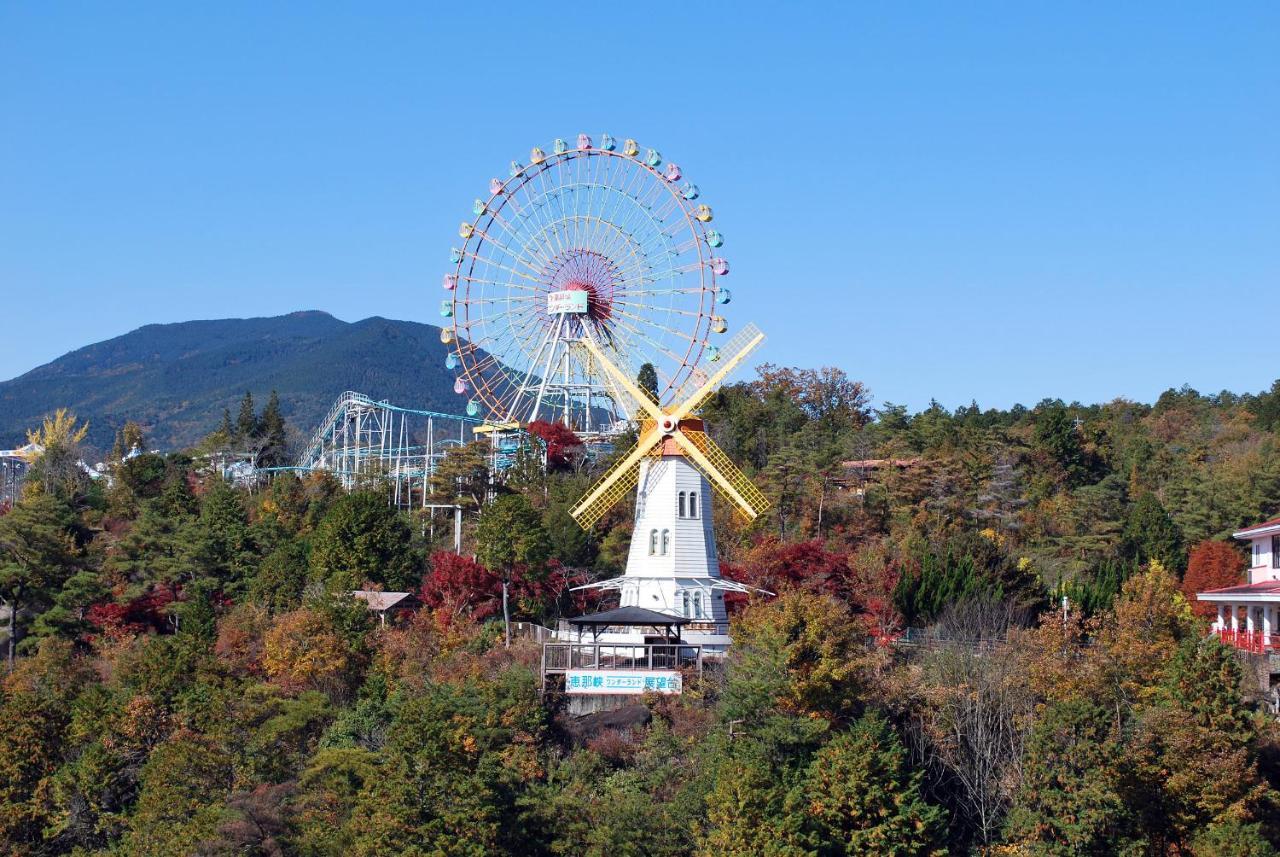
(658, 425)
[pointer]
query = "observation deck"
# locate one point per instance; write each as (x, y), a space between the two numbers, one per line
(618, 669)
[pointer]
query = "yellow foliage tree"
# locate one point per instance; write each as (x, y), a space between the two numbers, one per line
(58, 431)
(302, 651)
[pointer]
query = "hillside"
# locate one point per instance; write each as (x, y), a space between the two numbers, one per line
(175, 379)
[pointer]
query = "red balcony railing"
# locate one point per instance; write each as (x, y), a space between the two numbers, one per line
(1247, 641)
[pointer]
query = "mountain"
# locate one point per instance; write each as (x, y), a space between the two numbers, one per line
(175, 379)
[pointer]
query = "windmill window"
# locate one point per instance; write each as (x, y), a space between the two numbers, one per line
(684, 604)
(666, 541)
(693, 504)
(681, 504)
(698, 610)
(653, 542)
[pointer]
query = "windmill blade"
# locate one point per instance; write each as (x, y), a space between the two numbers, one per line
(644, 404)
(614, 484)
(731, 482)
(743, 343)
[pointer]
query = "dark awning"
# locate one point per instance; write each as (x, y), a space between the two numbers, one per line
(635, 616)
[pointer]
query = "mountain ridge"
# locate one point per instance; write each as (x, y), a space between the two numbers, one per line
(176, 378)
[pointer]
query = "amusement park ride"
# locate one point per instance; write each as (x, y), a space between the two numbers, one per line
(590, 249)
(579, 270)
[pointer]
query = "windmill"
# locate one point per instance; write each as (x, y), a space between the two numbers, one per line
(672, 566)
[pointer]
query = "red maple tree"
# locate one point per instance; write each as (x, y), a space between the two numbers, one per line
(560, 441)
(460, 586)
(1211, 565)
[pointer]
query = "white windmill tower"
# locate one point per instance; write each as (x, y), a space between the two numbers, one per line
(672, 566)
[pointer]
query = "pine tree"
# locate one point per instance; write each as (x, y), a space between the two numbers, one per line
(273, 433)
(1150, 533)
(247, 424)
(37, 554)
(860, 797)
(1069, 802)
(647, 380)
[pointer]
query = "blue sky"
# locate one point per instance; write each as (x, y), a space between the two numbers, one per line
(999, 202)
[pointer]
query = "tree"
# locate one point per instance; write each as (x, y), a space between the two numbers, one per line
(128, 438)
(511, 538)
(647, 380)
(274, 436)
(860, 797)
(460, 586)
(559, 441)
(362, 539)
(1069, 802)
(183, 783)
(798, 653)
(971, 730)
(1149, 533)
(747, 813)
(462, 476)
(1058, 438)
(303, 651)
(38, 553)
(226, 431)
(56, 466)
(246, 421)
(1211, 565)
(827, 396)
(773, 564)
(219, 545)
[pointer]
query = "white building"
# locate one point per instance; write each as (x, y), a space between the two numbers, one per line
(1249, 614)
(672, 566)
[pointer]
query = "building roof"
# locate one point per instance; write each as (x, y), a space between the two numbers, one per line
(1262, 529)
(1266, 589)
(380, 601)
(634, 616)
(877, 463)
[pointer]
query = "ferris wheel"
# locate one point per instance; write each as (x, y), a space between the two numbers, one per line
(599, 244)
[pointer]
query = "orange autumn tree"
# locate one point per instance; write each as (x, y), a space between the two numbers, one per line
(1211, 565)
(302, 651)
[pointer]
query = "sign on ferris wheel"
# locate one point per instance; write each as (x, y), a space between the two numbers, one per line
(573, 302)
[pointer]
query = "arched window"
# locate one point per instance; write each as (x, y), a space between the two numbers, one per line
(698, 612)
(666, 541)
(693, 504)
(684, 604)
(653, 542)
(681, 504)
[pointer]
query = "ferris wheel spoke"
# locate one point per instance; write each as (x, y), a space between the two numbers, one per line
(674, 310)
(505, 284)
(490, 239)
(526, 248)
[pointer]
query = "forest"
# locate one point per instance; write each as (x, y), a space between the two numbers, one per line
(189, 674)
